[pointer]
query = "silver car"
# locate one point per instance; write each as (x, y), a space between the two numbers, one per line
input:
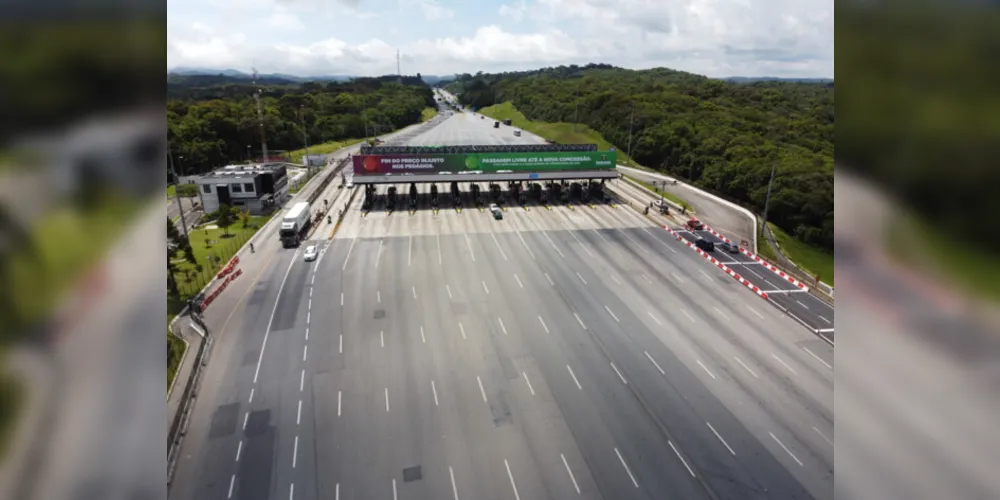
(310, 254)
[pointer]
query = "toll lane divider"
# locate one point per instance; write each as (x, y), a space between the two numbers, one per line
(718, 264)
(763, 262)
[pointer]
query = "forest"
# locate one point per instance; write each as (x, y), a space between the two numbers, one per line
(212, 120)
(722, 137)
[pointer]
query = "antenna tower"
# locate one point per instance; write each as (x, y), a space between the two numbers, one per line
(399, 75)
(260, 116)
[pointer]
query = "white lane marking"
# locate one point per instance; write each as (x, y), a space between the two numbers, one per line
(422, 338)
(705, 274)
(267, 332)
(579, 321)
(502, 254)
(305, 349)
(484, 287)
(239, 449)
(720, 438)
(409, 252)
(341, 343)
(817, 357)
(612, 314)
(462, 328)
(307, 333)
(525, 245)
(448, 288)
(570, 472)
(387, 400)
(504, 328)
(688, 314)
(619, 374)
(378, 256)
(353, 241)
(308, 317)
(676, 277)
(822, 436)
(291, 491)
(615, 279)
(251, 396)
(469, 245)
(543, 324)
(295, 452)
(581, 244)
(738, 360)
(613, 247)
(769, 283)
(686, 466)
(381, 336)
(394, 497)
(246, 417)
(302, 380)
(803, 305)
(824, 319)
(311, 294)
(647, 278)
(481, 390)
(550, 279)
(341, 299)
(378, 296)
(518, 281)
(532, 389)
(454, 489)
(340, 396)
(721, 313)
(553, 244)
(775, 356)
(581, 278)
(657, 365)
(414, 292)
(571, 374)
(786, 449)
(705, 368)
(626, 468)
(439, 248)
(654, 318)
(755, 312)
(298, 414)
(435, 391)
(337, 494)
(312, 281)
(512, 483)
(232, 482)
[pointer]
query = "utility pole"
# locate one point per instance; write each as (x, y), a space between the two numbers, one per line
(305, 136)
(177, 194)
(629, 148)
(399, 75)
(260, 116)
(767, 199)
(576, 114)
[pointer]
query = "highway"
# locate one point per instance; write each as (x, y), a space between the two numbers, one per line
(567, 353)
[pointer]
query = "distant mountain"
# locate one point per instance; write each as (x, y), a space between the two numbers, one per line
(185, 71)
(753, 79)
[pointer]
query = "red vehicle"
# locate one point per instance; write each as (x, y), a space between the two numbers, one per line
(694, 224)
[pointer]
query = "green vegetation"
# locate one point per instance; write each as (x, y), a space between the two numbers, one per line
(670, 196)
(323, 149)
(810, 259)
(723, 137)
(428, 113)
(186, 191)
(212, 120)
(175, 351)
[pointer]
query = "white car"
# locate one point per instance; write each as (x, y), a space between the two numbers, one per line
(311, 253)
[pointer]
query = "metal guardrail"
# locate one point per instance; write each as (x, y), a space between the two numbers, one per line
(178, 426)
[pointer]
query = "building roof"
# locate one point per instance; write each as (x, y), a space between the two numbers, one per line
(240, 171)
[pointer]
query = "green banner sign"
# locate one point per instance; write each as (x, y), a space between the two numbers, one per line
(424, 164)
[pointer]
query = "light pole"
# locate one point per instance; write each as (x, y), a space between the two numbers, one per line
(305, 137)
(767, 199)
(629, 149)
(177, 194)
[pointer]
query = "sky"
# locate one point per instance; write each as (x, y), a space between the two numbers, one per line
(716, 38)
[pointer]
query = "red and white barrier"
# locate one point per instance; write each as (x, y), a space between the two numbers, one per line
(232, 275)
(775, 270)
(720, 265)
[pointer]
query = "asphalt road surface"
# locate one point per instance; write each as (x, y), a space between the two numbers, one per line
(567, 353)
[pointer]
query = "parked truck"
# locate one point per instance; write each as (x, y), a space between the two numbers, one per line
(294, 225)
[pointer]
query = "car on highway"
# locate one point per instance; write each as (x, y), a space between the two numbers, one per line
(310, 254)
(517, 133)
(729, 247)
(705, 245)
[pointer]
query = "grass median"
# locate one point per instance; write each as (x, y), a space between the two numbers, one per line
(323, 149)
(212, 248)
(427, 114)
(810, 259)
(175, 352)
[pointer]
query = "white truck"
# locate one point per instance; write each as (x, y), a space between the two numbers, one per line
(294, 225)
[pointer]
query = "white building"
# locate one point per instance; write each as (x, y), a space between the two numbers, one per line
(257, 188)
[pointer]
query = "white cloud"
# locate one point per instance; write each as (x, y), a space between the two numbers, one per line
(314, 37)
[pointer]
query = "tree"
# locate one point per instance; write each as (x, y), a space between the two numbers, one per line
(225, 218)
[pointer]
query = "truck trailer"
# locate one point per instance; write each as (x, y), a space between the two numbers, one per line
(294, 225)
